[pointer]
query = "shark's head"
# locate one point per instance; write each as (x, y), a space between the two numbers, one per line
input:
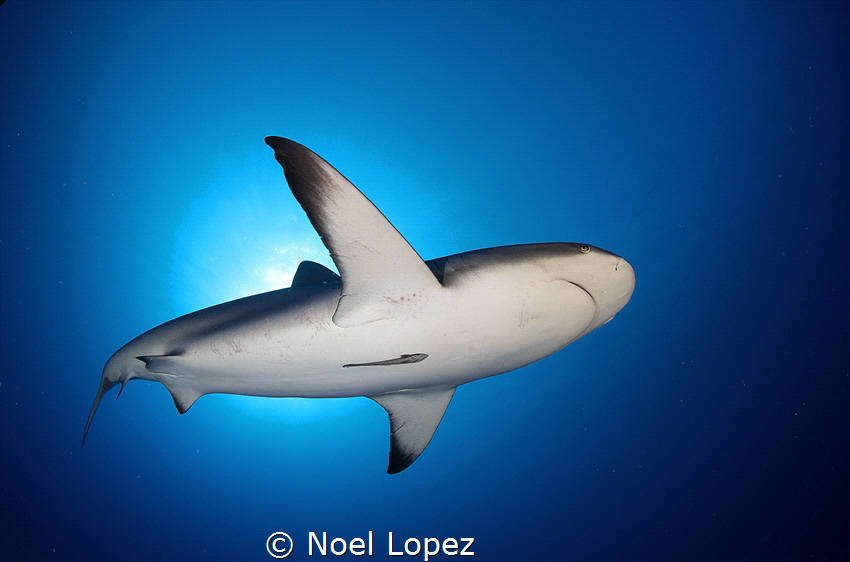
(606, 277)
(566, 290)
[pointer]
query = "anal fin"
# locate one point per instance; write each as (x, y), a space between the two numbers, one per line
(183, 397)
(414, 416)
(169, 367)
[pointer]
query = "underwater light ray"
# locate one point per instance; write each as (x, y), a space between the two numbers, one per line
(232, 243)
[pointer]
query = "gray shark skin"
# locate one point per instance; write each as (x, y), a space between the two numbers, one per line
(399, 330)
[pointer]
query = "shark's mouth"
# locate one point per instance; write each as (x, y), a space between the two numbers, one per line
(592, 323)
(589, 294)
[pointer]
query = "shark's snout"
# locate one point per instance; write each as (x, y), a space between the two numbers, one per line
(610, 280)
(621, 285)
(625, 275)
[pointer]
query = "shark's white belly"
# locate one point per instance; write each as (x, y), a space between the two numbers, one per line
(297, 350)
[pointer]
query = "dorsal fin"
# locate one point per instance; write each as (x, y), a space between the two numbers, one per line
(312, 273)
(414, 416)
(379, 269)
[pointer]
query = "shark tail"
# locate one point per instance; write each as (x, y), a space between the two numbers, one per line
(105, 384)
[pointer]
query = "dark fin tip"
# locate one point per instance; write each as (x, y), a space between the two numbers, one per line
(399, 461)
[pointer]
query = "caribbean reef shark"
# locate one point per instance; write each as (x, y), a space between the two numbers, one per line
(400, 330)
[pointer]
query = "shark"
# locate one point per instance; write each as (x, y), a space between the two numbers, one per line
(389, 325)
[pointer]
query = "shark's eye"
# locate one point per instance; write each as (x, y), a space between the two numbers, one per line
(583, 248)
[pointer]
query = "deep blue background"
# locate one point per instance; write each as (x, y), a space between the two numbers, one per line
(707, 143)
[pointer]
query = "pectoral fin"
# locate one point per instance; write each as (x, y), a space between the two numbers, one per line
(380, 270)
(414, 416)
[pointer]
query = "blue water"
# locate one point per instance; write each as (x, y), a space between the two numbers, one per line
(707, 143)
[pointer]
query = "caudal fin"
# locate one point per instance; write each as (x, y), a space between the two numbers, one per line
(105, 384)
